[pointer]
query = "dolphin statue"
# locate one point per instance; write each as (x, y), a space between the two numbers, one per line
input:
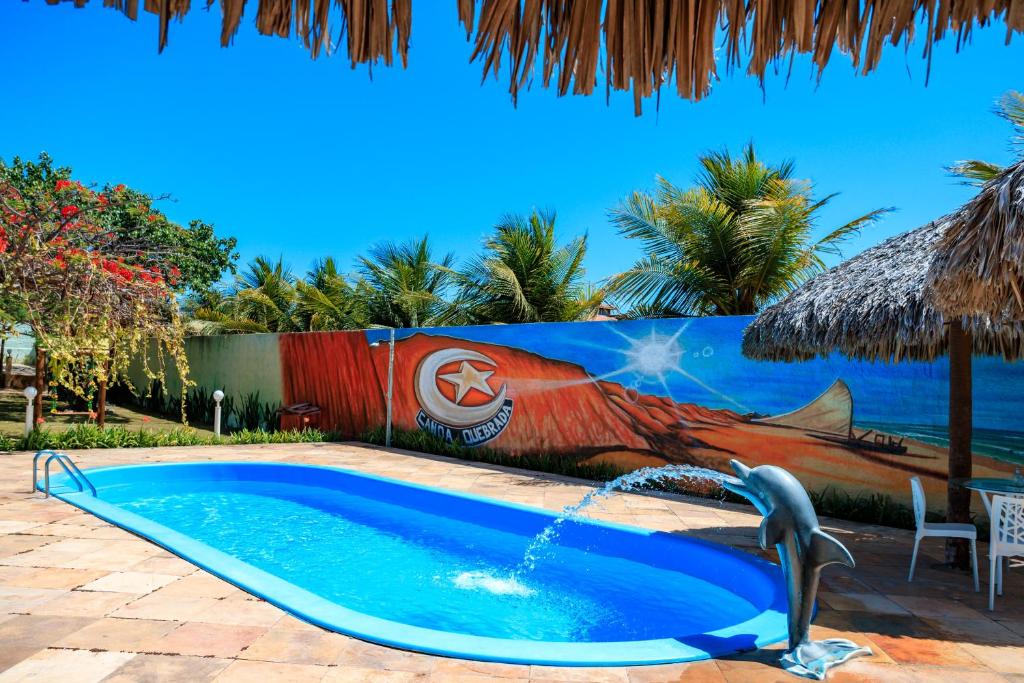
(791, 525)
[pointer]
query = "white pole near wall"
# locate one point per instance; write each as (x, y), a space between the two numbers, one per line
(30, 394)
(391, 376)
(218, 396)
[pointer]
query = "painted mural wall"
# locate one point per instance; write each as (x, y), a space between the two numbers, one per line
(637, 393)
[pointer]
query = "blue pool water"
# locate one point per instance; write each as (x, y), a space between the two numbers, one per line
(434, 571)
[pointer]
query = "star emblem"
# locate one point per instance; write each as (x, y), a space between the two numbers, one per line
(468, 378)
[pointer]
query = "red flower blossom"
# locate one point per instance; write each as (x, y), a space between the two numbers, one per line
(119, 188)
(69, 211)
(152, 217)
(63, 184)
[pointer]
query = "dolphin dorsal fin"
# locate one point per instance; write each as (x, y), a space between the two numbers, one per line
(772, 531)
(825, 549)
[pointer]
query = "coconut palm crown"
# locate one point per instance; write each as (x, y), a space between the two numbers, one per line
(740, 238)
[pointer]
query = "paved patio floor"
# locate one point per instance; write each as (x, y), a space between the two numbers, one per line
(83, 601)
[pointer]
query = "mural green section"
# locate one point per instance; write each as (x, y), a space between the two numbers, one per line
(239, 365)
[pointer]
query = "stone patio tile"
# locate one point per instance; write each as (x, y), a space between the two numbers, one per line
(239, 611)
(50, 577)
(14, 545)
(25, 634)
(17, 527)
(859, 671)
(935, 607)
(205, 640)
(929, 651)
(112, 559)
(168, 669)
(999, 658)
(165, 563)
(125, 635)
(295, 646)
(61, 666)
(139, 583)
(19, 600)
(861, 602)
(65, 529)
(360, 654)
(344, 674)
(981, 631)
(200, 585)
(156, 606)
(460, 667)
(84, 604)
(692, 672)
(581, 674)
(242, 671)
(764, 670)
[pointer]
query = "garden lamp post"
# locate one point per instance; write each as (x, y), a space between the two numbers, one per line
(218, 396)
(30, 394)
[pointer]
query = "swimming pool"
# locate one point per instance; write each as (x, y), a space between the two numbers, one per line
(439, 572)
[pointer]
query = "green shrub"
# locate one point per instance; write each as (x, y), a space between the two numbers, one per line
(424, 442)
(91, 436)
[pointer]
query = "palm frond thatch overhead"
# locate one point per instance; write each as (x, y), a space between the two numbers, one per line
(636, 45)
(874, 307)
(980, 265)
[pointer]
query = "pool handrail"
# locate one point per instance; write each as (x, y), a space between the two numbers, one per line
(74, 473)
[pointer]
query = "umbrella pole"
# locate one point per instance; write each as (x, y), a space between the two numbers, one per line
(958, 499)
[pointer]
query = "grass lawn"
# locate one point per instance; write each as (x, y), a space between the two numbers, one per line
(12, 417)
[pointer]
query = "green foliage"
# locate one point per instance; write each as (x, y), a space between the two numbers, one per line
(424, 442)
(402, 285)
(1010, 108)
(736, 241)
(524, 276)
(91, 436)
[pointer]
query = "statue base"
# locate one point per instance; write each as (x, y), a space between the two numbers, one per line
(814, 659)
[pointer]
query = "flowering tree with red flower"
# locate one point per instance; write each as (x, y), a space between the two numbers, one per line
(98, 293)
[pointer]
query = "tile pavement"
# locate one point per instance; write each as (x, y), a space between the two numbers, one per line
(83, 601)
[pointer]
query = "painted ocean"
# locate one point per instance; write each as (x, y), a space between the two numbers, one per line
(699, 361)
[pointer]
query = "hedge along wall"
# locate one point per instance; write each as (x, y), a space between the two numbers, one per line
(634, 393)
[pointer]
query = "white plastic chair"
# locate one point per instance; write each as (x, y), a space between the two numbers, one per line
(1007, 539)
(939, 530)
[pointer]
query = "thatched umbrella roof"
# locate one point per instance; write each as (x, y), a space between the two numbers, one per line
(638, 44)
(980, 265)
(873, 306)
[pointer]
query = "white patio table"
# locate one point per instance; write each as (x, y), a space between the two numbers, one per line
(989, 486)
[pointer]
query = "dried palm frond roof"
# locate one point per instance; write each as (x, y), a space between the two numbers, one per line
(874, 307)
(641, 44)
(980, 266)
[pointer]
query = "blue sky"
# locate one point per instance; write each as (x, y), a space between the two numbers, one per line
(306, 158)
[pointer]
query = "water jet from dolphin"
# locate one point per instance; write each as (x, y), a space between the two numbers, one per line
(790, 524)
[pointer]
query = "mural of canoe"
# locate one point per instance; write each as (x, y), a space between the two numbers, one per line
(830, 417)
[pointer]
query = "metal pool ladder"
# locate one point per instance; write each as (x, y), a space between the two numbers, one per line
(74, 473)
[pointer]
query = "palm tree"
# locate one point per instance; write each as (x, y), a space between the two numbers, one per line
(265, 295)
(401, 285)
(326, 300)
(737, 240)
(525, 276)
(1010, 107)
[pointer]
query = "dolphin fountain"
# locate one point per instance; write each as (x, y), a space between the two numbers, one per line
(791, 525)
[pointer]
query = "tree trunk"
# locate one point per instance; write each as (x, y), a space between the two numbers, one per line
(3, 364)
(958, 499)
(101, 400)
(40, 383)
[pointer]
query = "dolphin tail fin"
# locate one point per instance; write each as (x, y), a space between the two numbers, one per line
(825, 549)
